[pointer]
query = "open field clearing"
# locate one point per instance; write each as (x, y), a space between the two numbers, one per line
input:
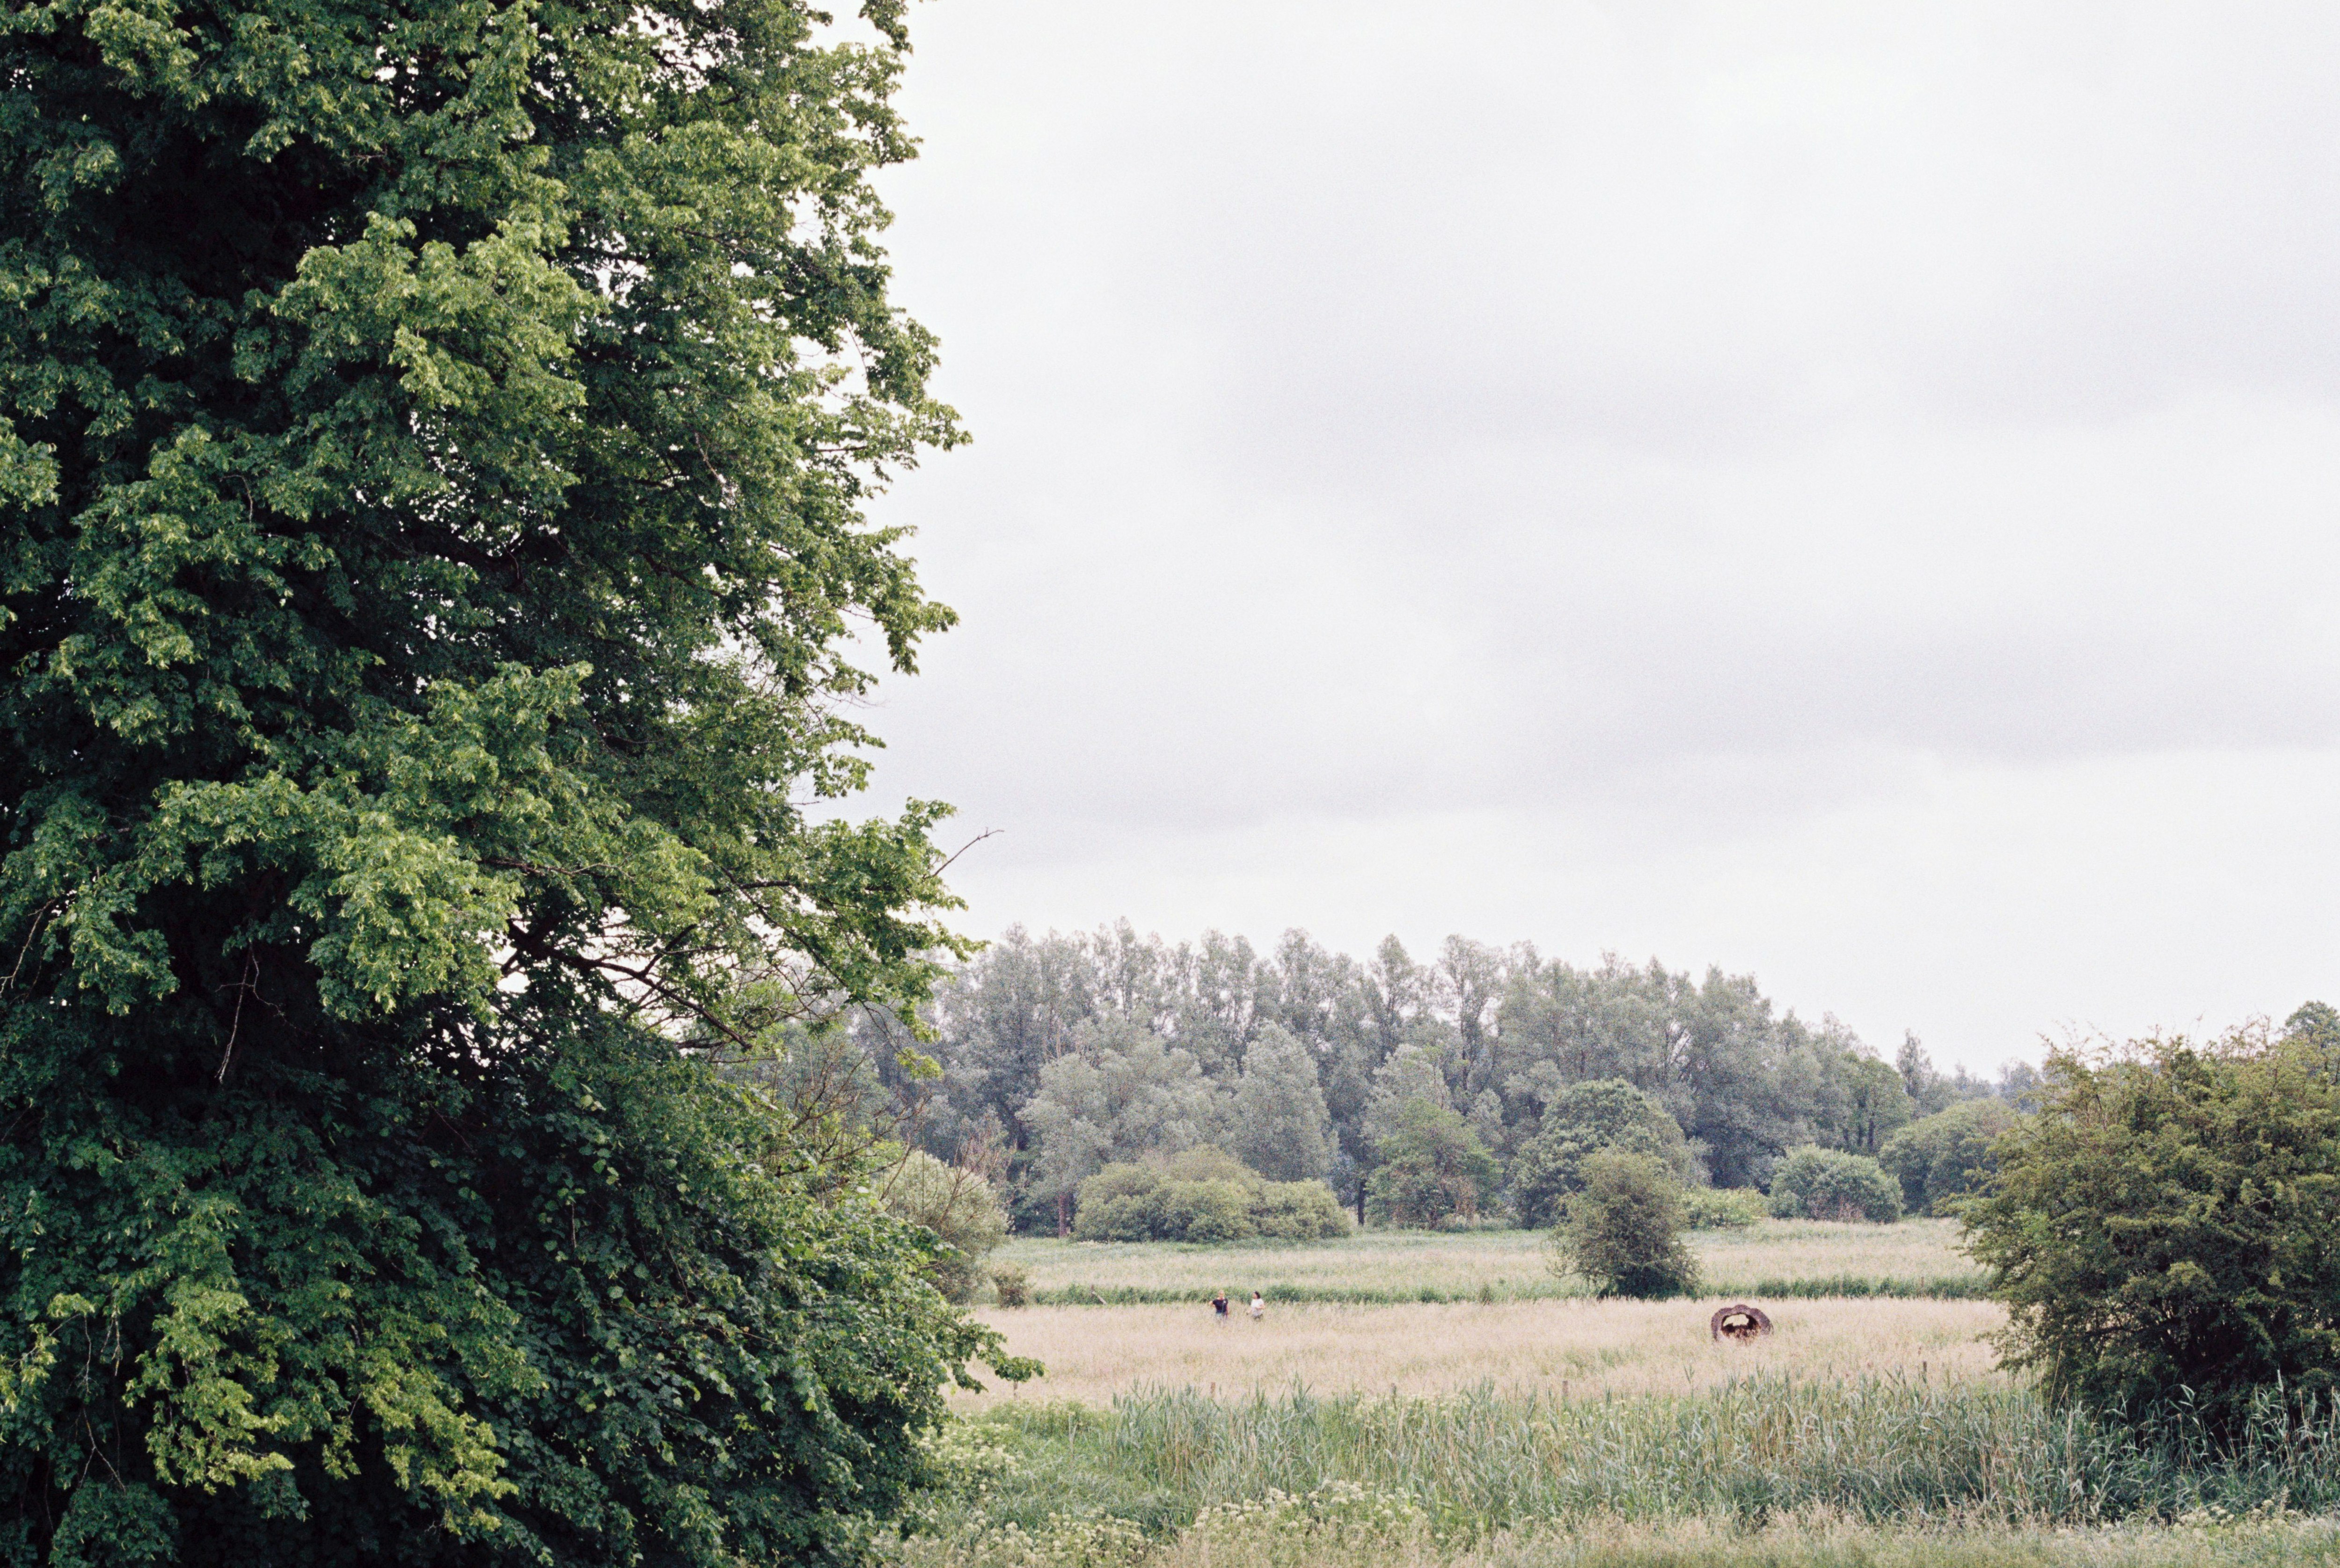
(1582, 1348)
(1917, 1256)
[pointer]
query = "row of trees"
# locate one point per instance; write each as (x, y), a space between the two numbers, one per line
(1064, 1054)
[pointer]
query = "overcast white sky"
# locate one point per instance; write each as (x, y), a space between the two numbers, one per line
(1844, 492)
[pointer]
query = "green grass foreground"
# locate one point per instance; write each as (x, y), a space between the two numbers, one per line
(1768, 1470)
(1776, 1259)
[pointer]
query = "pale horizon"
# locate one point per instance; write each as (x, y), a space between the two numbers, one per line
(1841, 496)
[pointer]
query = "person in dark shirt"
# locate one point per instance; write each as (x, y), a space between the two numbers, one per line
(1219, 1302)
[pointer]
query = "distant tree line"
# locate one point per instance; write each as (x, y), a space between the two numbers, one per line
(1422, 1091)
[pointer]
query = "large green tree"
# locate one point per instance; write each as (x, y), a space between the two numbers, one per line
(1940, 1159)
(1276, 1121)
(1121, 1094)
(2166, 1228)
(1582, 1120)
(434, 437)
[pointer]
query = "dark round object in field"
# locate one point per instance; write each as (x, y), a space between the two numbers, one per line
(1738, 1320)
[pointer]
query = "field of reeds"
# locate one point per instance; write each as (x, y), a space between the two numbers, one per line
(1419, 1399)
(1776, 1259)
(1769, 1468)
(1565, 1349)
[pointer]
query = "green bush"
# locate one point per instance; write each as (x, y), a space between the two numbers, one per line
(1946, 1156)
(1722, 1208)
(2166, 1229)
(1203, 1195)
(1433, 1169)
(1814, 1183)
(1585, 1119)
(1299, 1210)
(1011, 1285)
(1623, 1232)
(962, 1210)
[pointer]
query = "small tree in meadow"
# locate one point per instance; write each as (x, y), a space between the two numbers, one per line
(1622, 1231)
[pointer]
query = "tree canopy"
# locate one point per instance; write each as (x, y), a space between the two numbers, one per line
(1583, 1121)
(1502, 1037)
(1814, 1183)
(1276, 1120)
(2168, 1226)
(433, 439)
(1940, 1159)
(1432, 1169)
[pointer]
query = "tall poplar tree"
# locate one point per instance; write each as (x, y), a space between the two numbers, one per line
(433, 440)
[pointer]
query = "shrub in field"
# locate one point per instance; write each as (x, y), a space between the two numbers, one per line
(1814, 1183)
(1434, 1168)
(1624, 1231)
(2170, 1221)
(1722, 1208)
(1011, 1284)
(1203, 1195)
(1944, 1157)
(962, 1210)
(1585, 1119)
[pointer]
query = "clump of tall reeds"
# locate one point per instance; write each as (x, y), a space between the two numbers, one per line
(1879, 1448)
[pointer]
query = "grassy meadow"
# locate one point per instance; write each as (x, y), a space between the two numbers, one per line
(1578, 1349)
(1421, 1399)
(1774, 1258)
(1843, 1468)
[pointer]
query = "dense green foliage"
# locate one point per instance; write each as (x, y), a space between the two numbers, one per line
(1203, 1195)
(2170, 1221)
(1827, 1184)
(1581, 1121)
(1433, 1169)
(431, 443)
(1276, 1121)
(1940, 1158)
(1072, 1050)
(959, 1208)
(1011, 1285)
(1724, 1208)
(1122, 1093)
(1621, 1230)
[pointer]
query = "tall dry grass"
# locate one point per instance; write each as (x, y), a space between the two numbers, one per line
(1578, 1349)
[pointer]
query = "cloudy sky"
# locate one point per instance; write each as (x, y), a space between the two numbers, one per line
(1843, 492)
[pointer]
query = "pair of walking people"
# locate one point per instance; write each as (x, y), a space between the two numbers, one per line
(1258, 1305)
